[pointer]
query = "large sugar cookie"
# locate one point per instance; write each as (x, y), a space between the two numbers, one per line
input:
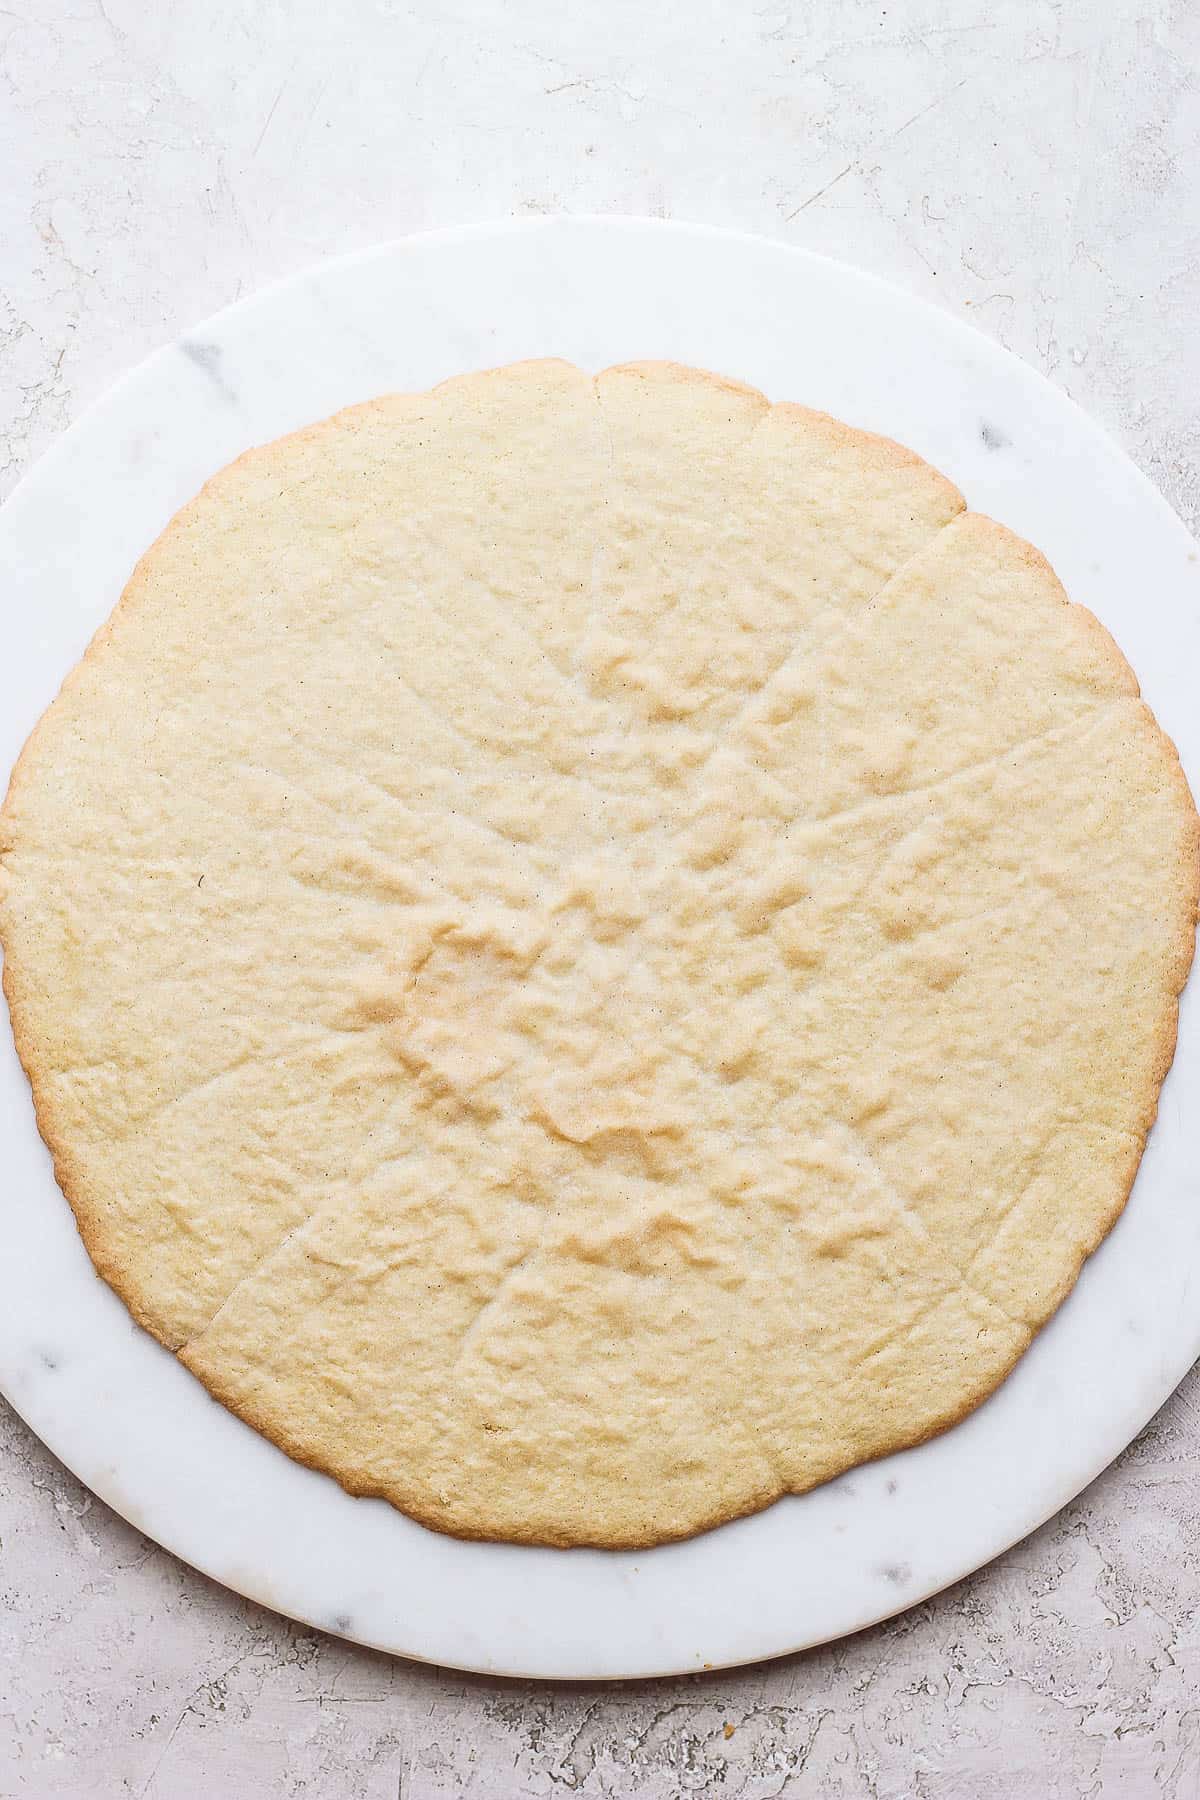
(592, 952)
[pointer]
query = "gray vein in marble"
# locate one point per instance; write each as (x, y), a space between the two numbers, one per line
(209, 358)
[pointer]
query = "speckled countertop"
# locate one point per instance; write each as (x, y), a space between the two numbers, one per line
(1032, 162)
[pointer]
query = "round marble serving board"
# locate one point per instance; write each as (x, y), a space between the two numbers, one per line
(128, 1419)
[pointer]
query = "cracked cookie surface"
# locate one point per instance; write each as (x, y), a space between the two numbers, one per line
(593, 951)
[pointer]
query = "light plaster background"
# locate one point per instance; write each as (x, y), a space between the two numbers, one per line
(1036, 165)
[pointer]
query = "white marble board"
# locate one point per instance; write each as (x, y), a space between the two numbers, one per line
(128, 1419)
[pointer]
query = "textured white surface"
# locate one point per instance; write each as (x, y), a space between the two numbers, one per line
(1033, 160)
